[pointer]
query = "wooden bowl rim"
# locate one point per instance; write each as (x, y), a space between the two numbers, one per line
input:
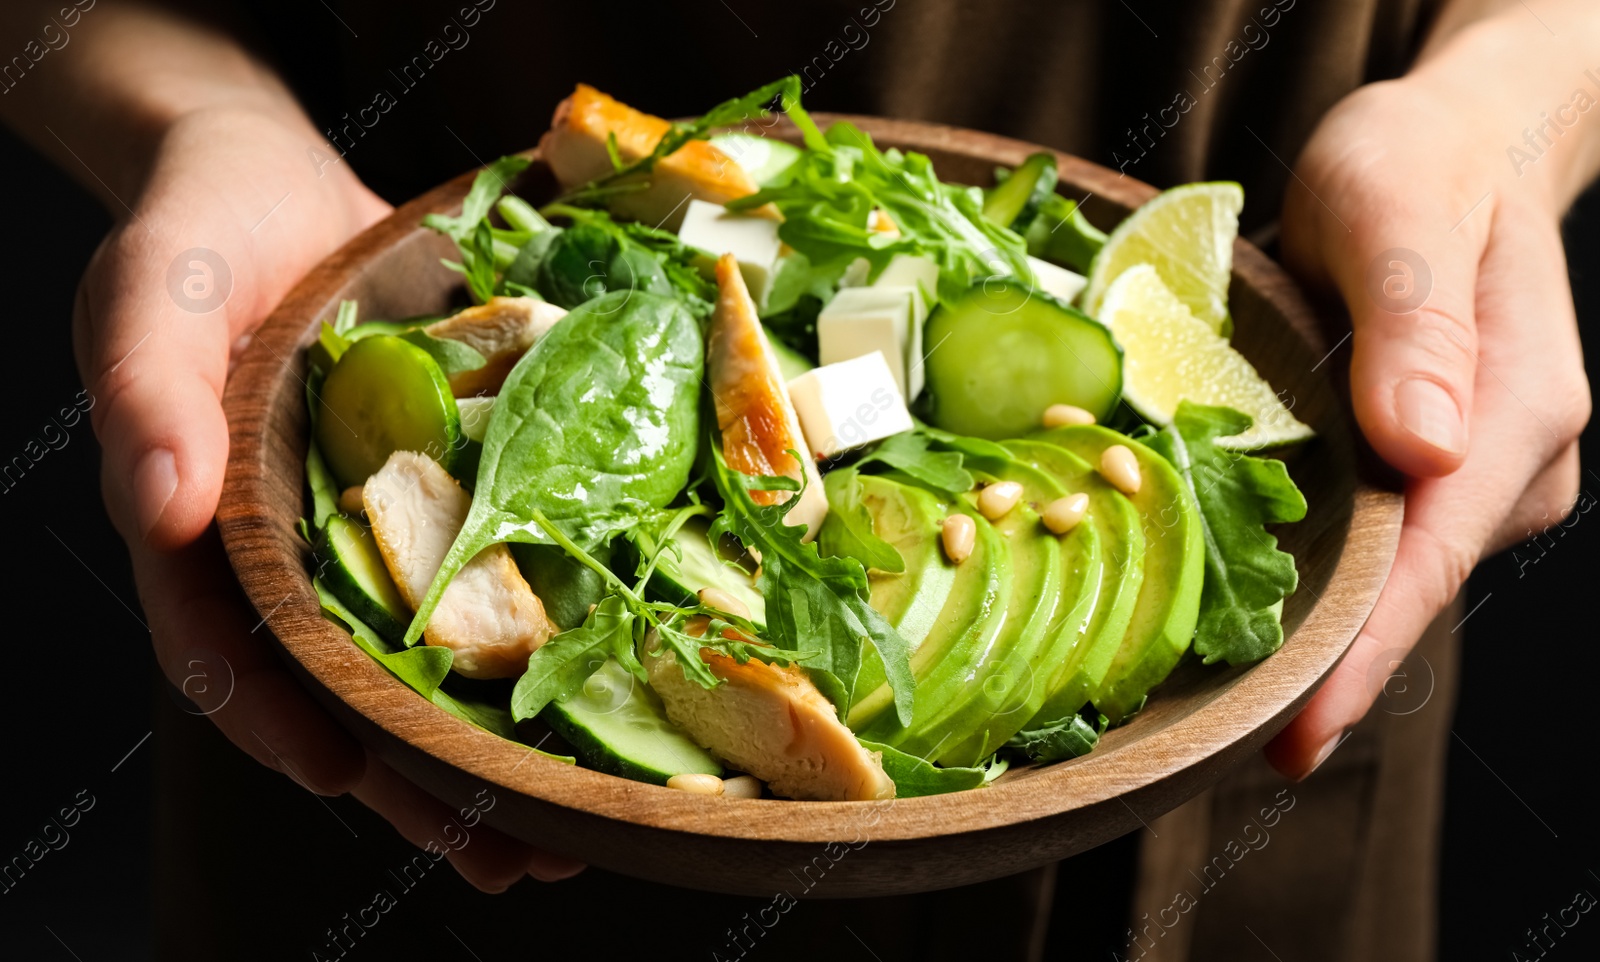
(1253, 705)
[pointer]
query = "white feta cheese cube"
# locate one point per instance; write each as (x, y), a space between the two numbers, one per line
(911, 270)
(753, 241)
(861, 320)
(903, 270)
(1057, 281)
(848, 404)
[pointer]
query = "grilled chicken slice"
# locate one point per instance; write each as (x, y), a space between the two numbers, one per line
(757, 420)
(502, 331)
(772, 722)
(575, 149)
(488, 616)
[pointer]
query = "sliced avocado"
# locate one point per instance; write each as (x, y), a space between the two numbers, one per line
(991, 691)
(1174, 566)
(908, 518)
(1115, 521)
(970, 621)
(1015, 688)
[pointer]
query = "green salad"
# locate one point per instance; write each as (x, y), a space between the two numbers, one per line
(755, 467)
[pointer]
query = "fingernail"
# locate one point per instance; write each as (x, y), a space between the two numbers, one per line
(155, 480)
(1323, 753)
(1428, 411)
(553, 868)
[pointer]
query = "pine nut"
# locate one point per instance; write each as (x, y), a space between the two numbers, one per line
(1063, 514)
(1066, 415)
(742, 786)
(350, 501)
(722, 601)
(696, 783)
(958, 533)
(1121, 468)
(997, 499)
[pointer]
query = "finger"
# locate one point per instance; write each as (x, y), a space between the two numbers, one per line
(490, 860)
(156, 373)
(1545, 506)
(1411, 293)
(213, 648)
(1524, 416)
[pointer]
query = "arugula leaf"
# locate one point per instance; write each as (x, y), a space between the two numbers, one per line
(913, 455)
(757, 103)
(594, 425)
(453, 357)
(914, 777)
(1247, 577)
(847, 530)
(486, 188)
(835, 186)
(810, 598)
(565, 661)
(345, 319)
(1067, 737)
(422, 668)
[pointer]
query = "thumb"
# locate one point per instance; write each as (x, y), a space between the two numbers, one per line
(154, 343)
(1410, 286)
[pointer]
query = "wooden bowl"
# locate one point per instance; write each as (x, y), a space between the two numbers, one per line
(1197, 726)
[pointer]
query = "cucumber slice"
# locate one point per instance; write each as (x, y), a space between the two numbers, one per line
(765, 159)
(385, 395)
(617, 725)
(702, 565)
(1003, 352)
(1015, 202)
(350, 565)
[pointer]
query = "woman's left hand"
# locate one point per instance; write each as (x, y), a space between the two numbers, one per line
(1466, 371)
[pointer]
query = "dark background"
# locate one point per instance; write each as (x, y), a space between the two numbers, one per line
(1519, 837)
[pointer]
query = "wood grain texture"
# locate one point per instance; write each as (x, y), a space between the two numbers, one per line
(1197, 726)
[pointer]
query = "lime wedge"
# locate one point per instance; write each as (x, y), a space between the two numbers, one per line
(1187, 234)
(1170, 356)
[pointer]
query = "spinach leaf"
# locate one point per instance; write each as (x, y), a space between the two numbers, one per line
(914, 777)
(913, 454)
(810, 599)
(638, 257)
(566, 586)
(565, 661)
(453, 357)
(523, 274)
(594, 425)
(574, 268)
(1247, 577)
(1068, 737)
(422, 668)
(847, 531)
